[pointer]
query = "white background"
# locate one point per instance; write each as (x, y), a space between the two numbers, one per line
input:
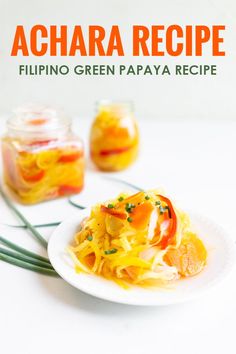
(161, 97)
(188, 149)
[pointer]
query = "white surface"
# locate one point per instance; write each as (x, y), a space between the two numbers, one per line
(161, 97)
(195, 163)
(220, 262)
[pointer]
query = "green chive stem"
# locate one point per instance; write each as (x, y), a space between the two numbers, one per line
(22, 250)
(110, 251)
(21, 257)
(56, 223)
(75, 204)
(36, 234)
(27, 265)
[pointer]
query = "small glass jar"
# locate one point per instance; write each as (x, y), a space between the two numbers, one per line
(114, 136)
(42, 158)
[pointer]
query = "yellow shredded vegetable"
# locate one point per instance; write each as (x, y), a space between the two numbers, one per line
(38, 171)
(140, 239)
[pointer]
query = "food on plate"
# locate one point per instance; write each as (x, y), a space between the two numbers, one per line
(141, 239)
(42, 158)
(114, 137)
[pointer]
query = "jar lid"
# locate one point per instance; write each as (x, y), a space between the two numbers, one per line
(37, 120)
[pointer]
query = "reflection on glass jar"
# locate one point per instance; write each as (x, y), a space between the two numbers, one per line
(114, 137)
(42, 158)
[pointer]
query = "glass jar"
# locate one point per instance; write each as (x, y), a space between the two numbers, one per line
(114, 137)
(42, 158)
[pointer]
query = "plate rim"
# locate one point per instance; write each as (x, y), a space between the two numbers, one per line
(190, 296)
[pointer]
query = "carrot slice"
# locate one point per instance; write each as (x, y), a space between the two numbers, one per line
(189, 258)
(37, 121)
(70, 157)
(67, 189)
(35, 177)
(115, 151)
(90, 260)
(134, 199)
(141, 215)
(117, 212)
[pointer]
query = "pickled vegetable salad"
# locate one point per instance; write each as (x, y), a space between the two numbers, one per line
(141, 239)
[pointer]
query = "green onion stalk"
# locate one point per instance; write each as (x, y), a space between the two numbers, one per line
(34, 232)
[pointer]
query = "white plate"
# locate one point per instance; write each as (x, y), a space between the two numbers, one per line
(221, 258)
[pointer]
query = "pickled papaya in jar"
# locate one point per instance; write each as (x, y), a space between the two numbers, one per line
(114, 136)
(42, 158)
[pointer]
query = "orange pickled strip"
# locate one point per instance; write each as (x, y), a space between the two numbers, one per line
(189, 258)
(68, 189)
(38, 121)
(90, 259)
(141, 215)
(134, 199)
(115, 151)
(132, 272)
(70, 157)
(37, 176)
(118, 213)
(117, 132)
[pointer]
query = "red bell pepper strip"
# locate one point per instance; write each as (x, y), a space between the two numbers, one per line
(67, 189)
(34, 177)
(116, 151)
(167, 239)
(70, 157)
(40, 142)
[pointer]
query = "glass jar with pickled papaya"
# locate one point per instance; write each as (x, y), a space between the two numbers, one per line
(114, 137)
(42, 158)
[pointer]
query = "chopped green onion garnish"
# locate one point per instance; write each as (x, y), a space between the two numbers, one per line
(111, 251)
(129, 207)
(163, 209)
(90, 238)
(147, 197)
(158, 202)
(129, 219)
(110, 206)
(120, 199)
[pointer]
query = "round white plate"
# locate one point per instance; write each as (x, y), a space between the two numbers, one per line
(221, 258)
